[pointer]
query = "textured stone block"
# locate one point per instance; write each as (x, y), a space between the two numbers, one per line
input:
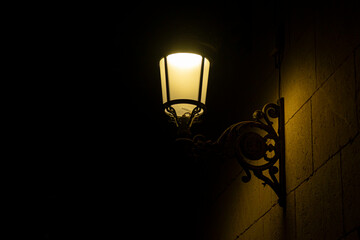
(334, 113)
(290, 217)
(256, 231)
(298, 73)
(298, 65)
(298, 148)
(300, 16)
(228, 220)
(350, 160)
(318, 204)
(240, 206)
(254, 201)
(337, 34)
(263, 41)
(274, 224)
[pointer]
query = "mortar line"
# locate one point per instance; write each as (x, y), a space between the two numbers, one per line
(242, 233)
(306, 180)
(331, 157)
(294, 190)
(317, 89)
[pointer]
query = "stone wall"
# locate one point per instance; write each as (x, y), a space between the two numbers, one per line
(320, 82)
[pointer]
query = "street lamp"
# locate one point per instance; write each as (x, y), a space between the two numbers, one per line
(257, 145)
(184, 80)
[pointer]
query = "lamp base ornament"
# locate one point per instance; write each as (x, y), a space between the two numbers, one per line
(184, 122)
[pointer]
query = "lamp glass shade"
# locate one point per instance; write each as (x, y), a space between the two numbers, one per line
(184, 76)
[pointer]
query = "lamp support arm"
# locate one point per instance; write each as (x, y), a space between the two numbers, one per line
(257, 145)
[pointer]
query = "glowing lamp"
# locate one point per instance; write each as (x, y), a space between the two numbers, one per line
(257, 145)
(184, 80)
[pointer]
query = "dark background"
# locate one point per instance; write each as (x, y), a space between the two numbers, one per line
(102, 160)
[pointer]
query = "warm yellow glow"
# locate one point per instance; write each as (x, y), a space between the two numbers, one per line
(184, 70)
(185, 60)
(184, 75)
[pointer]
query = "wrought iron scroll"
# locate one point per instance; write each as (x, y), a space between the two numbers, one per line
(258, 146)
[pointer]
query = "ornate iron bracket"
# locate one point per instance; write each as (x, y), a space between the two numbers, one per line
(257, 146)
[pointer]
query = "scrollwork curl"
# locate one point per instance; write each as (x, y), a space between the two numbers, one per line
(252, 149)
